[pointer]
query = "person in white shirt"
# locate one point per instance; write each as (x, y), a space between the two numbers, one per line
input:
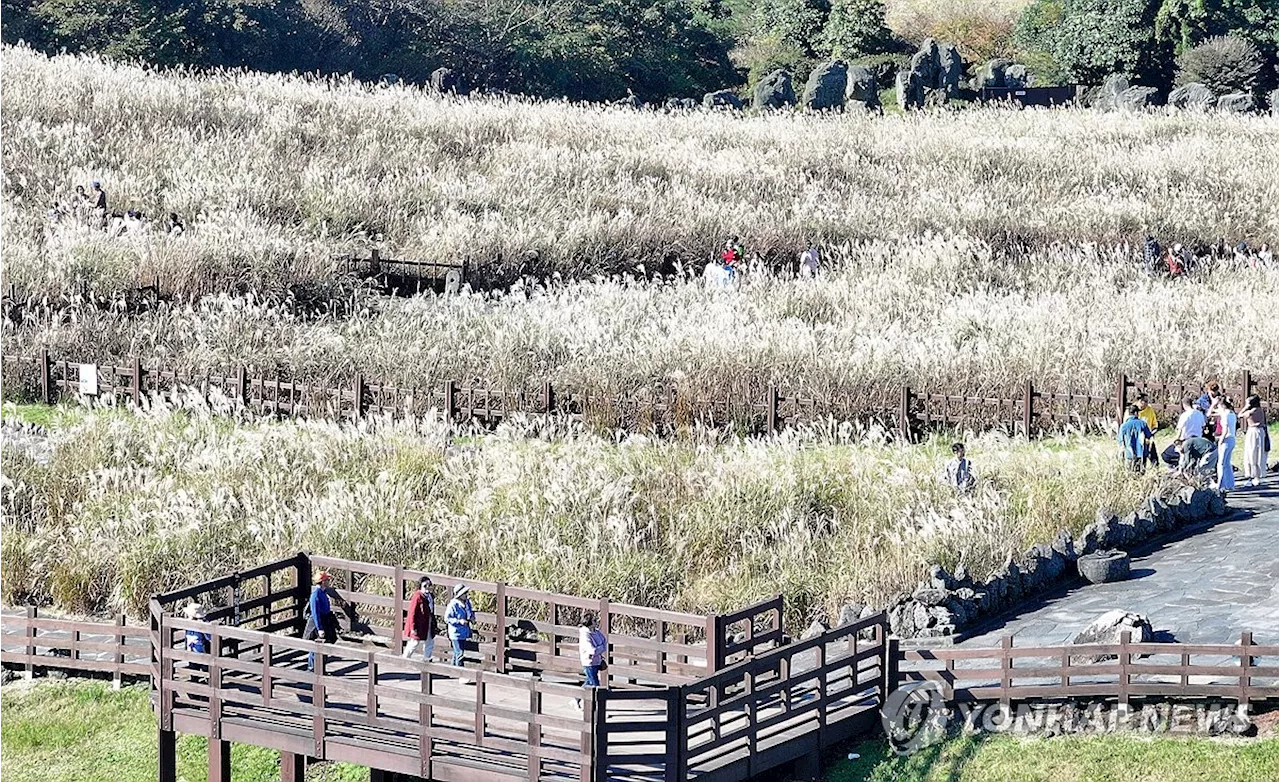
(809, 262)
(592, 648)
(1190, 424)
(959, 475)
(1227, 420)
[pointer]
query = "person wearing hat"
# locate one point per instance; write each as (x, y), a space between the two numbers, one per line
(322, 624)
(419, 622)
(196, 641)
(459, 616)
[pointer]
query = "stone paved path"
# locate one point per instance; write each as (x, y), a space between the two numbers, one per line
(1205, 587)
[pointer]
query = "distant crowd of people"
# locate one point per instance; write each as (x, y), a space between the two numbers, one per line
(420, 627)
(90, 208)
(1178, 260)
(1204, 441)
(727, 267)
(1205, 438)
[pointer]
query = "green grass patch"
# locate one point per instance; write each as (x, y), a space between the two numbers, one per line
(988, 758)
(48, 416)
(85, 731)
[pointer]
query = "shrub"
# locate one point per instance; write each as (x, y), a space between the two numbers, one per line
(1224, 64)
(1092, 39)
(856, 27)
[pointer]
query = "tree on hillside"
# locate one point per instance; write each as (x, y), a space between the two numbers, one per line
(855, 28)
(1091, 39)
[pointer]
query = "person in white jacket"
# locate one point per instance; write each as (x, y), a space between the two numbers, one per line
(592, 648)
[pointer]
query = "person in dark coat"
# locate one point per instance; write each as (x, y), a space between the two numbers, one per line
(420, 621)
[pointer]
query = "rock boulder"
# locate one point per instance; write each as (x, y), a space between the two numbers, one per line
(1107, 628)
(826, 86)
(722, 99)
(1192, 96)
(774, 91)
(1239, 102)
(860, 89)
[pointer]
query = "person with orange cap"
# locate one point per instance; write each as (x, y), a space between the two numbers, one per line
(322, 624)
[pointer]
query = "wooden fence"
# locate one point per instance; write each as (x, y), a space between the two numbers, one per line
(41, 643)
(664, 409)
(751, 717)
(1240, 672)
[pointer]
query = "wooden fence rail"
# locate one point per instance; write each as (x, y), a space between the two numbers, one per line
(1240, 672)
(113, 648)
(754, 409)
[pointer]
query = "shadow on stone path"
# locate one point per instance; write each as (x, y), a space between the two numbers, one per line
(1207, 585)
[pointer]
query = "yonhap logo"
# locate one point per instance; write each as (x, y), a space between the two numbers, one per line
(914, 716)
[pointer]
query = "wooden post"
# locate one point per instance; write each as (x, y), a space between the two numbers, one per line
(371, 696)
(317, 706)
(168, 756)
(397, 632)
(772, 415)
(137, 382)
(892, 655)
(534, 733)
(1006, 666)
(1246, 662)
(357, 392)
(46, 392)
(116, 675)
(219, 760)
(1246, 386)
(424, 726)
(500, 608)
(215, 694)
(242, 386)
(293, 767)
(266, 672)
(29, 633)
(450, 389)
(375, 260)
(1122, 391)
(604, 628)
(1028, 408)
(301, 590)
(904, 413)
(548, 398)
(675, 727)
(1123, 683)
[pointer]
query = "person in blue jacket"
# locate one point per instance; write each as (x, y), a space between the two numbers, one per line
(1133, 435)
(459, 616)
(322, 624)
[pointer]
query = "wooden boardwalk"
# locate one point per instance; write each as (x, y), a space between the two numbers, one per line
(687, 696)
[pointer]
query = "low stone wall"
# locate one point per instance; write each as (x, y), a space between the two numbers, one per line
(945, 603)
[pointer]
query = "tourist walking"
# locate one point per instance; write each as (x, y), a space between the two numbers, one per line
(196, 641)
(420, 621)
(1256, 440)
(592, 649)
(1226, 434)
(1147, 414)
(809, 262)
(1133, 437)
(322, 624)
(959, 473)
(459, 615)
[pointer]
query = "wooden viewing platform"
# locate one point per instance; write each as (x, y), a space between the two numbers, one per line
(685, 696)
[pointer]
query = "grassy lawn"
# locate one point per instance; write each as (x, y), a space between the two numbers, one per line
(48, 416)
(83, 731)
(1004, 758)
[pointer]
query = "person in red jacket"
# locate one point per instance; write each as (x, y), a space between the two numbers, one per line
(420, 621)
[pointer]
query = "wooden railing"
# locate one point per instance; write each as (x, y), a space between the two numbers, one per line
(529, 630)
(754, 408)
(40, 643)
(369, 707)
(1232, 672)
(752, 716)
